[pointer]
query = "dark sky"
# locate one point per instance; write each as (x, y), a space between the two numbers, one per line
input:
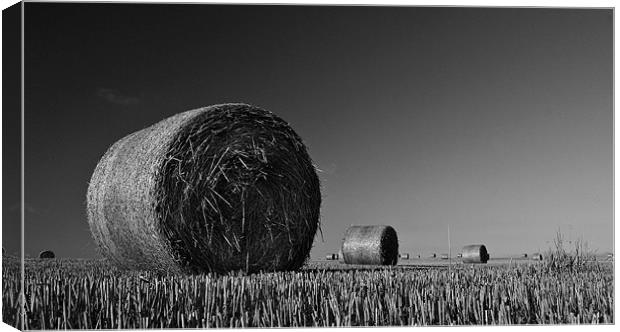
(496, 122)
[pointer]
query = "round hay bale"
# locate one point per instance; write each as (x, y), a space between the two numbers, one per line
(216, 189)
(47, 254)
(433, 255)
(331, 257)
(403, 256)
(375, 245)
(475, 253)
(523, 255)
(537, 257)
(444, 256)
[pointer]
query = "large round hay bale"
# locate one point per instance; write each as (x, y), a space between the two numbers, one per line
(376, 245)
(221, 188)
(475, 253)
(47, 254)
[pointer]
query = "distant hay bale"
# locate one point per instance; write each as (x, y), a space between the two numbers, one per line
(537, 257)
(459, 255)
(475, 253)
(332, 257)
(47, 254)
(403, 256)
(221, 188)
(433, 255)
(524, 255)
(375, 245)
(444, 256)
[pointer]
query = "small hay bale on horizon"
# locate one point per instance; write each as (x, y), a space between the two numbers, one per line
(47, 254)
(215, 189)
(403, 256)
(537, 256)
(371, 245)
(331, 257)
(475, 253)
(444, 256)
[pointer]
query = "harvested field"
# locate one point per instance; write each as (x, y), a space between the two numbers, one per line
(82, 294)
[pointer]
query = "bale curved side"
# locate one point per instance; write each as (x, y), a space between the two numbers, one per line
(374, 245)
(475, 253)
(226, 187)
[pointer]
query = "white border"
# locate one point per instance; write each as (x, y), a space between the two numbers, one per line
(540, 3)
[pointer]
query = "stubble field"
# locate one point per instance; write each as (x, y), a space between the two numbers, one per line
(89, 294)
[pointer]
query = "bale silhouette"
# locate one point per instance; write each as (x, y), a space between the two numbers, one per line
(221, 188)
(403, 256)
(47, 254)
(475, 253)
(376, 245)
(332, 257)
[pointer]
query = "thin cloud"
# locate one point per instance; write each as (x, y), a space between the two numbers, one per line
(115, 97)
(28, 208)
